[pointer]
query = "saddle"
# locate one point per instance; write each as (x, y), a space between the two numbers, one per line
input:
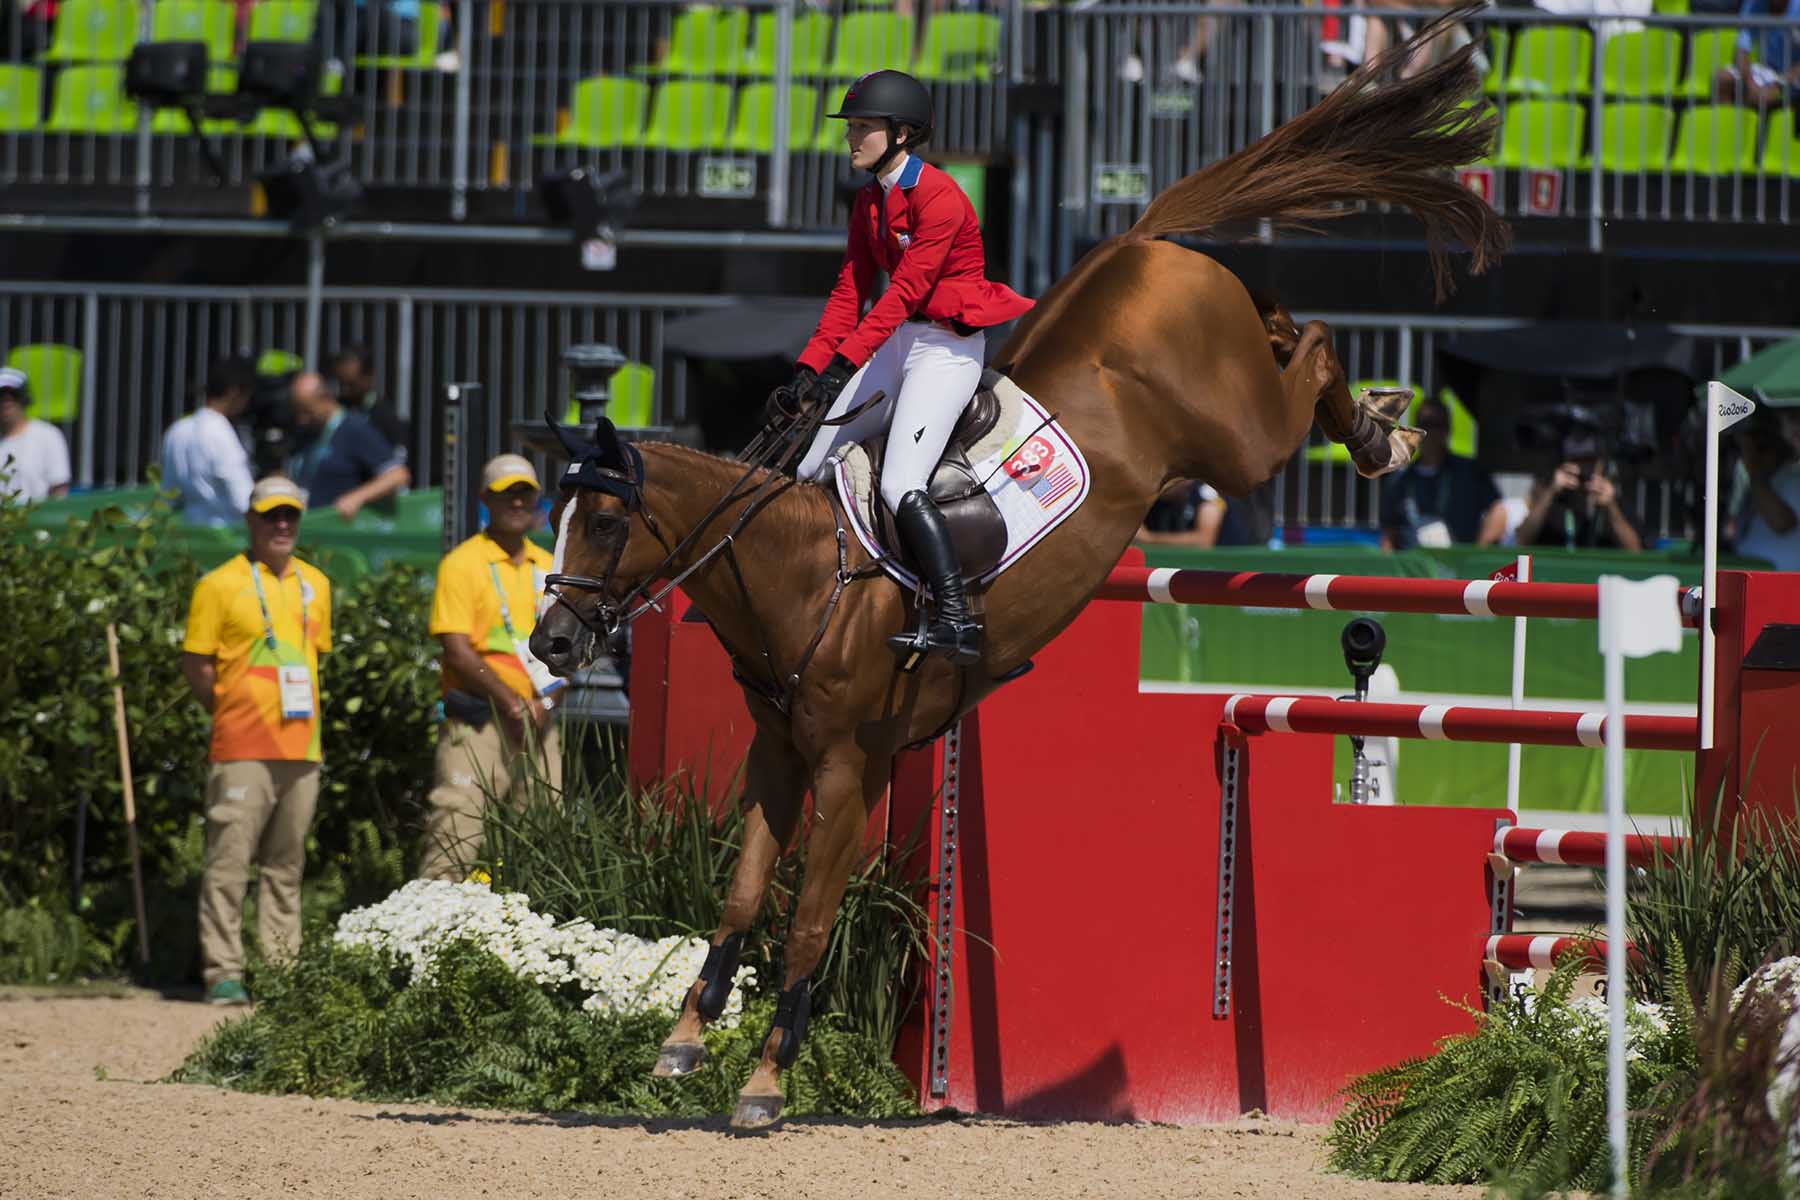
(977, 527)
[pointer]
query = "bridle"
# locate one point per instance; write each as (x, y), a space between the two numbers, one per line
(610, 465)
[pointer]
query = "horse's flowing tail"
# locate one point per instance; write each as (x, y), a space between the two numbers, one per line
(1395, 141)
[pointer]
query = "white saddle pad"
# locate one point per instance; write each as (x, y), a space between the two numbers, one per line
(1033, 470)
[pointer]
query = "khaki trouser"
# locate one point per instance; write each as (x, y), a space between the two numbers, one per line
(473, 764)
(255, 812)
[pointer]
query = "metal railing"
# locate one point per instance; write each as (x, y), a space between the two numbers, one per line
(145, 349)
(1602, 118)
(511, 342)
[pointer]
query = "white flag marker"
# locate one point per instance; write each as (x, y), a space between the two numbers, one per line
(1636, 619)
(1724, 408)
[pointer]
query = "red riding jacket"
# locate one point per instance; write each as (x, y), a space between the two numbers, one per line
(931, 249)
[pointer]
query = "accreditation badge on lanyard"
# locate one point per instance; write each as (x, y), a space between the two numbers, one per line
(295, 678)
(542, 681)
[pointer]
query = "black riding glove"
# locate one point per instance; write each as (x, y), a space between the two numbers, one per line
(791, 398)
(837, 373)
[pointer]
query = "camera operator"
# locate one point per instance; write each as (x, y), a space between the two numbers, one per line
(1766, 524)
(1578, 506)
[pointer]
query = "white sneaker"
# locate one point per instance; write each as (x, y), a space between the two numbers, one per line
(448, 62)
(1188, 71)
(1132, 69)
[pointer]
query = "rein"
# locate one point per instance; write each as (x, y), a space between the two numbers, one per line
(774, 449)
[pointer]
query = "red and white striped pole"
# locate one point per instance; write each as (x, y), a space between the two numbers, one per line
(1451, 722)
(1521, 951)
(1577, 848)
(1363, 593)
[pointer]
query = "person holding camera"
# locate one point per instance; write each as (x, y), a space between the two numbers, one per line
(1766, 523)
(499, 700)
(1578, 506)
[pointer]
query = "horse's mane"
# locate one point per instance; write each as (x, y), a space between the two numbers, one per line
(798, 516)
(1375, 138)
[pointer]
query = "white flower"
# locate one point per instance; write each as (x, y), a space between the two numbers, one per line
(619, 973)
(95, 605)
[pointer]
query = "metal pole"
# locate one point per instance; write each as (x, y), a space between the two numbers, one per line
(1615, 901)
(784, 76)
(459, 144)
(1513, 751)
(90, 364)
(315, 297)
(1596, 211)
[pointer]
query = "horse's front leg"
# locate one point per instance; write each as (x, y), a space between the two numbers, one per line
(842, 783)
(774, 787)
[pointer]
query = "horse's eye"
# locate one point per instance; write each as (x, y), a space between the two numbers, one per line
(605, 524)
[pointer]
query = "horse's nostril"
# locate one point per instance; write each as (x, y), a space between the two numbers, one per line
(560, 647)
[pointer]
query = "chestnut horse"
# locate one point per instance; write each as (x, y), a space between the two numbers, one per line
(1155, 360)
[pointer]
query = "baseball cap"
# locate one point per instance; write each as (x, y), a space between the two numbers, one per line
(504, 470)
(277, 491)
(12, 380)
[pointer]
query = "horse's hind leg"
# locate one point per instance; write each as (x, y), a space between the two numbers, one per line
(1314, 374)
(841, 784)
(775, 783)
(1278, 323)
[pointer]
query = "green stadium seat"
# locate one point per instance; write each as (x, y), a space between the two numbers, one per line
(1497, 42)
(21, 98)
(91, 100)
(278, 362)
(213, 22)
(604, 112)
(811, 43)
(54, 373)
(1669, 8)
(871, 41)
(1634, 138)
(704, 41)
(689, 115)
(1708, 51)
(1644, 65)
(1551, 60)
(93, 31)
(431, 25)
(1716, 139)
(283, 21)
(1541, 134)
(632, 404)
(220, 81)
(831, 133)
(284, 125)
(753, 132)
(959, 48)
(1782, 154)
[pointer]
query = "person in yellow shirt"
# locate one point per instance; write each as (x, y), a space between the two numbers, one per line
(255, 630)
(499, 701)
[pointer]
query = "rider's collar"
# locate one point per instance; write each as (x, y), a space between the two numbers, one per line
(904, 174)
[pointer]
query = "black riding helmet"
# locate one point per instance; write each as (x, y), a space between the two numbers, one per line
(892, 96)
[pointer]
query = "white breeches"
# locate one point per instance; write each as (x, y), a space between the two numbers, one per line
(926, 375)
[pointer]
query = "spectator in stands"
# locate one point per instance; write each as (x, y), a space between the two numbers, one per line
(1186, 514)
(344, 461)
(1441, 499)
(498, 699)
(1578, 507)
(255, 630)
(353, 368)
(1775, 77)
(34, 455)
(1767, 524)
(203, 457)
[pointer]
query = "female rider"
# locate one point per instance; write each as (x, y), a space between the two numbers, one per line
(920, 343)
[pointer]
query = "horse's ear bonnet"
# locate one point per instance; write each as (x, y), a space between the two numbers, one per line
(603, 463)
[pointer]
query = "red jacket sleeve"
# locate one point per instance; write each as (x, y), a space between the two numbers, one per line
(844, 307)
(937, 217)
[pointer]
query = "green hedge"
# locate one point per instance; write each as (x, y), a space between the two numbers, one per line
(59, 587)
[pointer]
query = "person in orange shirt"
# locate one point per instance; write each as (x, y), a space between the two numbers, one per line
(499, 701)
(255, 630)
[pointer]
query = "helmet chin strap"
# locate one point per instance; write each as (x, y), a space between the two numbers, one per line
(894, 147)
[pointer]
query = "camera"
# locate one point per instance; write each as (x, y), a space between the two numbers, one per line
(271, 418)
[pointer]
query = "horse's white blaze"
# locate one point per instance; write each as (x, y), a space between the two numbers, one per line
(556, 559)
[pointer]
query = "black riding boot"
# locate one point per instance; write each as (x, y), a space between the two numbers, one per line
(952, 634)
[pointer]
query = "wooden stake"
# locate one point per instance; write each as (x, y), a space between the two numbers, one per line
(137, 868)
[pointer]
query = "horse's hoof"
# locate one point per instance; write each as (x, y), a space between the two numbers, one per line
(756, 1112)
(1385, 404)
(678, 1059)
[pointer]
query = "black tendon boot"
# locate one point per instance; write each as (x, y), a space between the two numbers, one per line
(952, 633)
